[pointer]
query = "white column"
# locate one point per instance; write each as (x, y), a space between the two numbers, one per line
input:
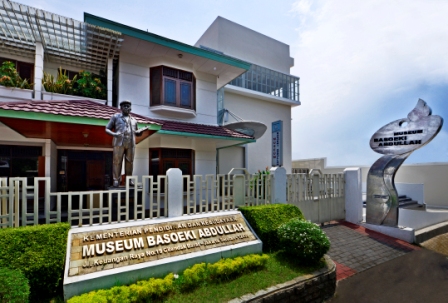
(353, 195)
(51, 154)
(175, 203)
(239, 192)
(38, 71)
(109, 80)
(278, 185)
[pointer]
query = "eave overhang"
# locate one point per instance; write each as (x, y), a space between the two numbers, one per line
(224, 67)
(65, 130)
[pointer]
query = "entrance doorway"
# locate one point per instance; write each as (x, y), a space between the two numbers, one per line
(84, 170)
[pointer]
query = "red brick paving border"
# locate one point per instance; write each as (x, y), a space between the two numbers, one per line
(380, 237)
(343, 271)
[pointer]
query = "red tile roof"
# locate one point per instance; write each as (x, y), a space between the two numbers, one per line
(74, 108)
(90, 109)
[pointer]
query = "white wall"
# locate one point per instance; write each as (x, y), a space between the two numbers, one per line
(246, 44)
(232, 157)
(259, 153)
(134, 85)
(141, 161)
(434, 176)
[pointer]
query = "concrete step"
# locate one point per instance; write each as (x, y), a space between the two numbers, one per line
(407, 203)
(424, 234)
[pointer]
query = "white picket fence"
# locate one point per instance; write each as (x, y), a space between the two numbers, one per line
(321, 198)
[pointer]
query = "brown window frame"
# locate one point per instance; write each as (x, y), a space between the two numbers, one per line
(159, 75)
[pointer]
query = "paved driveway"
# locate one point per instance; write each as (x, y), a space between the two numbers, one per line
(372, 267)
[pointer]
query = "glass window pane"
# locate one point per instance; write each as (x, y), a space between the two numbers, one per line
(185, 94)
(170, 92)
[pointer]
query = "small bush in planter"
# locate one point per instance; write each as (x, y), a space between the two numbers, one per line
(61, 85)
(9, 76)
(14, 287)
(265, 219)
(89, 85)
(303, 239)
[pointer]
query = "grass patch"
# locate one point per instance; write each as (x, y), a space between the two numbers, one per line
(279, 269)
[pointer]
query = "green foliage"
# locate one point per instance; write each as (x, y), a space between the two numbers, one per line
(156, 289)
(225, 269)
(62, 84)
(89, 86)
(14, 286)
(83, 84)
(265, 219)
(39, 252)
(142, 291)
(194, 276)
(9, 76)
(304, 240)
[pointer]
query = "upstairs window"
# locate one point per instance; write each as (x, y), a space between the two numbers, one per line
(172, 87)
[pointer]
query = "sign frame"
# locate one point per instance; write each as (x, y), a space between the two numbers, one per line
(277, 143)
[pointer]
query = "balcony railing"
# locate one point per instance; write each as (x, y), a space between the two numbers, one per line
(270, 82)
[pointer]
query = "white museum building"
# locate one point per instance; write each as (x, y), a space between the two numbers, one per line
(208, 107)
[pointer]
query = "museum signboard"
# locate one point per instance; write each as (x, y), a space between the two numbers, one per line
(139, 249)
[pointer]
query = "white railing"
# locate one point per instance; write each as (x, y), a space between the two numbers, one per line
(320, 197)
(211, 193)
(22, 204)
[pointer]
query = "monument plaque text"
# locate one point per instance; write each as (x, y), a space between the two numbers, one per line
(112, 248)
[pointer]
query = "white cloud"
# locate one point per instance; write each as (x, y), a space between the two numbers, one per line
(301, 7)
(354, 58)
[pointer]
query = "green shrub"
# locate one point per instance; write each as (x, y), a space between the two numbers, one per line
(193, 276)
(142, 291)
(62, 84)
(89, 85)
(39, 252)
(14, 286)
(157, 289)
(265, 219)
(304, 240)
(9, 76)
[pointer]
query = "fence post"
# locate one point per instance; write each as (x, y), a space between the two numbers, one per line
(175, 201)
(239, 192)
(278, 185)
(353, 195)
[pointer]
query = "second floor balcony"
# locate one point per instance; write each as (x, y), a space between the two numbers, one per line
(270, 82)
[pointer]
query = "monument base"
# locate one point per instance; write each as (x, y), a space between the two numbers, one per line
(104, 256)
(403, 233)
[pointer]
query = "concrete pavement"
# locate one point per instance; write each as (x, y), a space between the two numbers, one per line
(372, 267)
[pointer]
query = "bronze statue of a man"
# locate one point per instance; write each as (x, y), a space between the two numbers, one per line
(123, 128)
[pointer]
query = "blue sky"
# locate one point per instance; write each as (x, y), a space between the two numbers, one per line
(362, 64)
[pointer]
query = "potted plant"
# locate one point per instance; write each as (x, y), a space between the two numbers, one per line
(89, 86)
(9, 76)
(62, 84)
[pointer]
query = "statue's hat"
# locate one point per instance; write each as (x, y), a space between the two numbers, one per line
(125, 102)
